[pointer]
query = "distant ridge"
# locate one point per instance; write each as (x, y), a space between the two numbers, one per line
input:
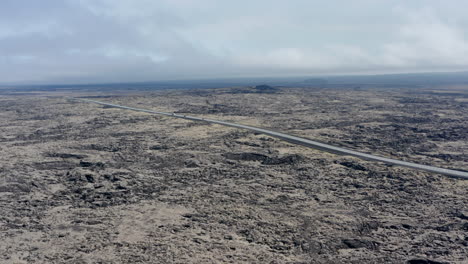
(382, 80)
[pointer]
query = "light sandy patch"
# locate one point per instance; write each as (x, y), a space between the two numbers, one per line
(377, 100)
(138, 221)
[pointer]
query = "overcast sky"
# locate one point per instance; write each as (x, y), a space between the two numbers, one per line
(86, 41)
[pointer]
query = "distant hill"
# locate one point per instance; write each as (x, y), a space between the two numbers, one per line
(410, 80)
(263, 88)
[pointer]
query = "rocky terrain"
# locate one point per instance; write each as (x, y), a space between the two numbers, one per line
(82, 183)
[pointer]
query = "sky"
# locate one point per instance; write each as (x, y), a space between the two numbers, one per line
(92, 41)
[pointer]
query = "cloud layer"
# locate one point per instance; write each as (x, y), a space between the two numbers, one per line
(142, 40)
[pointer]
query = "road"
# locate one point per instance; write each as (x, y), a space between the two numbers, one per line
(300, 141)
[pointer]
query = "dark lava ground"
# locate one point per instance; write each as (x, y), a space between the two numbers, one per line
(82, 183)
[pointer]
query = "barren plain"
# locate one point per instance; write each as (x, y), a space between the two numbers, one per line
(82, 183)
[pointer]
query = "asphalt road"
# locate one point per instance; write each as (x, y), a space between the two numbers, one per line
(301, 141)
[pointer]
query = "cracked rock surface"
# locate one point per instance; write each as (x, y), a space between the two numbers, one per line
(82, 183)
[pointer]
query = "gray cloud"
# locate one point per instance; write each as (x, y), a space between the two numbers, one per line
(142, 40)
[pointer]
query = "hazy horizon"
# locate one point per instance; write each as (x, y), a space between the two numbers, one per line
(100, 41)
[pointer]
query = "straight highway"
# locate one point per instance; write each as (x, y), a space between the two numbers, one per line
(300, 141)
